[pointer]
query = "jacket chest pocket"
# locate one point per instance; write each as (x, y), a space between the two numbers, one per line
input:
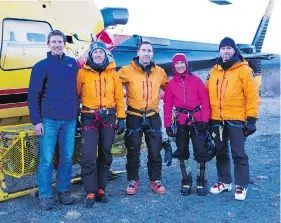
(228, 88)
(108, 86)
(140, 88)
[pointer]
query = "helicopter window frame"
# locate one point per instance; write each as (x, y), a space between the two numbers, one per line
(13, 37)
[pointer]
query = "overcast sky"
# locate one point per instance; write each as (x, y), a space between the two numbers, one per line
(199, 20)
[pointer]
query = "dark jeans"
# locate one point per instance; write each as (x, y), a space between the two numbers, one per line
(94, 170)
(154, 145)
(240, 160)
(198, 143)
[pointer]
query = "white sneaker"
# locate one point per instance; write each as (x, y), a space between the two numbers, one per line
(240, 193)
(220, 187)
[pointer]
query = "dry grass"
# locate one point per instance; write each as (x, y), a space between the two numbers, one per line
(270, 82)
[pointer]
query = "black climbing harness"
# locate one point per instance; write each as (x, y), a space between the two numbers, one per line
(144, 124)
(190, 114)
(190, 120)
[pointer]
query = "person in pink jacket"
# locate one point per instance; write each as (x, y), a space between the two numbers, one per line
(186, 115)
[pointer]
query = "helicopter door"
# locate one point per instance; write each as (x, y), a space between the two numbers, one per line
(24, 43)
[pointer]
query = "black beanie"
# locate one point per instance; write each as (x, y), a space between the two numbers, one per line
(227, 41)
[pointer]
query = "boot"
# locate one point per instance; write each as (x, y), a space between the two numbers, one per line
(186, 185)
(186, 177)
(201, 179)
(101, 196)
(90, 200)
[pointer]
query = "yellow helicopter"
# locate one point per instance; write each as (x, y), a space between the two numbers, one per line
(24, 28)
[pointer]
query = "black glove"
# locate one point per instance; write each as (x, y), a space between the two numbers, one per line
(250, 126)
(120, 126)
(170, 132)
(168, 152)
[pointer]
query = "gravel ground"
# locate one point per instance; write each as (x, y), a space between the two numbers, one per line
(262, 203)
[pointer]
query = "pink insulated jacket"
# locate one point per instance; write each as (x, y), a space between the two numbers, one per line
(186, 93)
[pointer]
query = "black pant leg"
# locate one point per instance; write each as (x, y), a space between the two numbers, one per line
(199, 144)
(154, 145)
(222, 157)
(133, 144)
(239, 156)
(104, 160)
(89, 142)
(182, 142)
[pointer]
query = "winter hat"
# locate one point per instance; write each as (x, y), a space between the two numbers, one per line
(179, 57)
(97, 45)
(227, 41)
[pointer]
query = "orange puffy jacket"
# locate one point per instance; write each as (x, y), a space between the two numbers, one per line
(101, 90)
(142, 89)
(233, 93)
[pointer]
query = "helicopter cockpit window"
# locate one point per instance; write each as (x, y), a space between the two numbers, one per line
(24, 43)
(36, 37)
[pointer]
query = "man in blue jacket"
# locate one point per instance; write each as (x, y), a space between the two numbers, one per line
(53, 106)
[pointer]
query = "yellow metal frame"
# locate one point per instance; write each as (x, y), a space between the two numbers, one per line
(16, 155)
(7, 196)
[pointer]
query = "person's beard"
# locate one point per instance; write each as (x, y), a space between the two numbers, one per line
(226, 57)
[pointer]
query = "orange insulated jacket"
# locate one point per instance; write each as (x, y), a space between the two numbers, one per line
(142, 89)
(233, 93)
(103, 90)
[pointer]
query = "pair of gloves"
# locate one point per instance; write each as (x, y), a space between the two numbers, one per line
(120, 126)
(201, 127)
(250, 127)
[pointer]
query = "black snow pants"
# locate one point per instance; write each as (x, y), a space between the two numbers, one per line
(221, 132)
(153, 141)
(198, 140)
(94, 170)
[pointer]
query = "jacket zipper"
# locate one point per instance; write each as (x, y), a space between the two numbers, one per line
(185, 91)
(146, 92)
(104, 86)
(100, 91)
(151, 90)
(217, 87)
(221, 95)
(225, 88)
(96, 88)
(142, 89)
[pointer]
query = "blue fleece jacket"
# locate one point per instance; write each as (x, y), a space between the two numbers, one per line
(52, 89)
